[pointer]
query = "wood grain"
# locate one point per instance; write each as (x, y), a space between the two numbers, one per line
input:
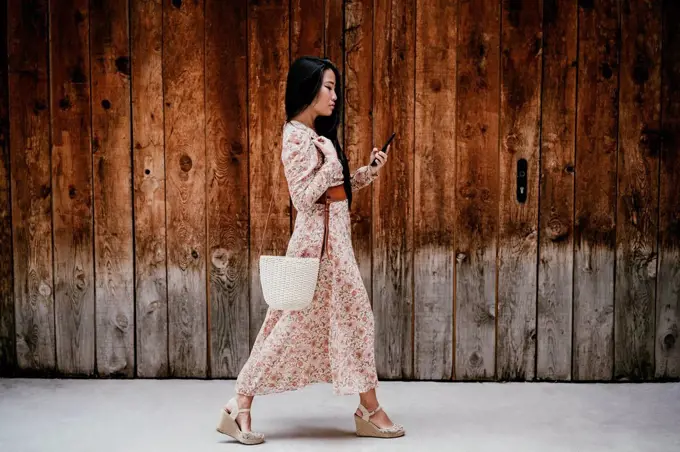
(111, 140)
(433, 233)
(358, 130)
(72, 186)
(556, 215)
(595, 221)
(638, 178)
(334, 49)
(226, 73)
(667, 343)
(151, 302)
(268, 65)
(476, 204)
(306, 28)
(8, 358)
(393, 70)
(520, 108)
(184, 94)
(29, 146)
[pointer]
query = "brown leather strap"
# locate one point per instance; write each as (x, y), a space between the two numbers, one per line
(326, 215)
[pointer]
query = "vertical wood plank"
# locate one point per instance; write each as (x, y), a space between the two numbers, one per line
(638, 178)
(8, 359)
(268, 63)
(184, 91)
(668, 289)
(433, 233)
(358, 130)
(476, 205)
(114, 266)
(521, 69)
(29, 134)
(594, 228)
(556, 215)
(394, 82)
(334, 50)
(151, 302)
(226, 74)
(72, 183)
(306, 28)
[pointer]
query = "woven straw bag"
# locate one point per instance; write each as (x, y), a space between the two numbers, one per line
(288, 283)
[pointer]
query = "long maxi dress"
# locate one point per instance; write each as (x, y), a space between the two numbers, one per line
(331, 341)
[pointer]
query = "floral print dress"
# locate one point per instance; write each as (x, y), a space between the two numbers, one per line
(331, 341)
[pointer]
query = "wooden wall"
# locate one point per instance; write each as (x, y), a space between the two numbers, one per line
(139, 151)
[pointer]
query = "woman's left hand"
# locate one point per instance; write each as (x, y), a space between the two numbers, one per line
(380, 160)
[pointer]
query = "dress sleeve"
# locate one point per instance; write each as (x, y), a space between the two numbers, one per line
(361, 178)
(306, 182)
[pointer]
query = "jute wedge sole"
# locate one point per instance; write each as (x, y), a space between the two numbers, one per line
(366, 428)
(228, 425)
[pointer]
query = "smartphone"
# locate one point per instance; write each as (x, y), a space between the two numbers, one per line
(384, 148)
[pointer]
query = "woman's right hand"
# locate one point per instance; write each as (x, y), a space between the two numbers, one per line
(326, 147)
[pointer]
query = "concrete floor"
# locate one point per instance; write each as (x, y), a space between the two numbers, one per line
(180, 415)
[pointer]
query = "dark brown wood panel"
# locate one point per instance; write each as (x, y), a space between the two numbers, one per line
(433, 233)
(111, 141)
(29, 134)
(72, 186)
(306, 28)
(151, 302)
(595, 220)
(477, 194)
(358, 130)
(667, 341)
(334, 47)
(8, 358)
(268, 65)
(638, 179)
(521, 66)
(226, 73)
(393, 109)
(556, 245)
(184, 94)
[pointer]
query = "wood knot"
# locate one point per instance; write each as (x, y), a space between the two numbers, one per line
(77, 75)
(65, 103)
(122, 322)
(606, 71)
(220, 258)
(476, 360)
(557, 230)
(123, 65)
(194, 254)
(72, 192)
(39, 106)
(185, 163)
(669, 341)
(106, 104)
(436, 85)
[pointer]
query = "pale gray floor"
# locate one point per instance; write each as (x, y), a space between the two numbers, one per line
(180, 415)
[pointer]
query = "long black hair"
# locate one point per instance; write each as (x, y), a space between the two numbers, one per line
(304, 81)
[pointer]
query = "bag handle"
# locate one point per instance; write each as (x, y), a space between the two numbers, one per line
(326, 214)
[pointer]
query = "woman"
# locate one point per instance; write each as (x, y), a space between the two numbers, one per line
(332, 340)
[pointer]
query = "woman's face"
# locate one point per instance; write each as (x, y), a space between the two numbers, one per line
(324, 104)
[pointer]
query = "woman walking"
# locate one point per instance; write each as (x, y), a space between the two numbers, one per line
(332, 340)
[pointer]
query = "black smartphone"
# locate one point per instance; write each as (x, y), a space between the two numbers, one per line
(384, 148)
